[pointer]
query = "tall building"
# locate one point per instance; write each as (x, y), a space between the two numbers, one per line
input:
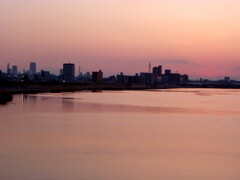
(157, 71)
(8, 69)
(68, 72)
(33, 68)
(14, 70)
(79, 71)
(97, 76)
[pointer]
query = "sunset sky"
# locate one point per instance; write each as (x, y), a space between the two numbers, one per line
(197, 37)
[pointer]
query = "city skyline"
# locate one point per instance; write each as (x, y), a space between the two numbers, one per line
(72, 69)
(200, 38)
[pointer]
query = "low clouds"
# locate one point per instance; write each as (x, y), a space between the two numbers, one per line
(177, 62)
(174, 61)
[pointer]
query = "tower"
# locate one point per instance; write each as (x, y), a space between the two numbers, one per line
(149, 68)
(8, 69)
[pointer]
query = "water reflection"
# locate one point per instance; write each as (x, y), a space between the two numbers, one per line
(68, 105)
(72, 102)
(167, 134)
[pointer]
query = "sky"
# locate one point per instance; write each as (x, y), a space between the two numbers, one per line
(196, 37)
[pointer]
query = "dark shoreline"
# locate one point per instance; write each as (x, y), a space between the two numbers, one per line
(33, 88)
(5, 97)
(7, 89)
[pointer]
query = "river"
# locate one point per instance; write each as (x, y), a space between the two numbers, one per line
(122, 135)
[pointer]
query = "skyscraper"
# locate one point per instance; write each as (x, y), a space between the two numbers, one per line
(68, 72)
(33, 68)
(14, 70)
(8, 69)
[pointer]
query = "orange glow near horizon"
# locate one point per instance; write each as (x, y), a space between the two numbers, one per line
(104, 34)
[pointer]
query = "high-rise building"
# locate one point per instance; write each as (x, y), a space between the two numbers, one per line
(97, 76)
(149, 68)
(8, 69)
(14, 70)
(157, 71)
(79, 71)
(33, 68)
(68, 72)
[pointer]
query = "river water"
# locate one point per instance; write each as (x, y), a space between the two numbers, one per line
(122, 135)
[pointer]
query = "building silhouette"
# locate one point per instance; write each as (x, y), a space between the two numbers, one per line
(14, 70)
(33, 68)
(126, 79)
(146, 78)
(227, 79)
(8, 69)
(155, 77)
(174, 78)
(167, 72)
(184, 78)
(45, 74)
(157, 71)
(61, 72)
(68, 72)
(97, 77)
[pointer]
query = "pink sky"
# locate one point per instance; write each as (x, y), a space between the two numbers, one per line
(198, 37)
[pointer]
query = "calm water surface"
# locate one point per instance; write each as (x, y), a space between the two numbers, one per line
(126, 135)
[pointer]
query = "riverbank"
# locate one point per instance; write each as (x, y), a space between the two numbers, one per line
(5, 97)
(32, 88)
(54, 88)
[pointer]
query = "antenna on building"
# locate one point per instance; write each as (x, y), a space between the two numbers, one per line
(149, 68)
(79, 70)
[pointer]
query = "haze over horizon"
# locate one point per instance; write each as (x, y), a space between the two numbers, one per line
(200, 38)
